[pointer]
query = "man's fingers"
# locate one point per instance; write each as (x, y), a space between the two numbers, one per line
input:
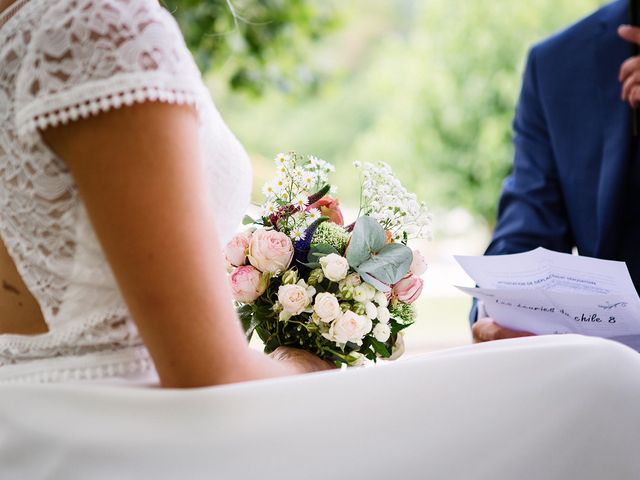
(629, 33)
(629, 66)
(632, 81)
(486, 330)
(634, 96)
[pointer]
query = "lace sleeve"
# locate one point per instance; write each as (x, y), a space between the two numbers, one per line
(90, 56)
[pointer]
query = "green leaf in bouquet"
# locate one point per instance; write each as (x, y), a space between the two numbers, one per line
(389, 265)
(398, 327)
(368, 237)
(317, 252)
(247, 220)
(249, 320)
(380, 348)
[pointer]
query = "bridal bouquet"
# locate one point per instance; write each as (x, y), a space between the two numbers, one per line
(301, 278)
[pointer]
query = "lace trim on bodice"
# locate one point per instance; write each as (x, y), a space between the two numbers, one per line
(10, 11)
(99, 97)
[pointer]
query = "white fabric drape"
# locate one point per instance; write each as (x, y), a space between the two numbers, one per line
(535, 408)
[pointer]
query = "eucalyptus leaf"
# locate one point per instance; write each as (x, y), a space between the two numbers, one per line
(247, 220)
(368, 237)
(374, 282)
(389, 265)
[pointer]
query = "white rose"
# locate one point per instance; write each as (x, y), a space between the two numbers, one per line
(382, 332)
(371, 310)
(398, 348)
(352, 280)
(360, 294)
(381, 299)
(334, 267)
(326, 307)
(383, 314)
(293, 298)
(370, 291)
(350, 327)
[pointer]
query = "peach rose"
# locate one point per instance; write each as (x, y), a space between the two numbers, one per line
(329, 207)
(247, 284)
(408, 289)
(270, 251)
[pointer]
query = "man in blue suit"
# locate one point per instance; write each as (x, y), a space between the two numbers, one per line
(576, 171)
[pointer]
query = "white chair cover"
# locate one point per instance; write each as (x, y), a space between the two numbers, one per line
(564, 407)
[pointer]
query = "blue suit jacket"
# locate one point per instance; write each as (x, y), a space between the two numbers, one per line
(572, 137)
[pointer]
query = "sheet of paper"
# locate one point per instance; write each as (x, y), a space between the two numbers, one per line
(547, 292)
(546, 312)
(541, 268)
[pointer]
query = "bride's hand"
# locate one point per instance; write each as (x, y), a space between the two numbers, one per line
(299, 361)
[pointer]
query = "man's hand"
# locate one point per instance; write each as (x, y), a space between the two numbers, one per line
(630, 70)
(486, 330)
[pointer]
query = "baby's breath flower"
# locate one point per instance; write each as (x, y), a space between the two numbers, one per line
(398, 210)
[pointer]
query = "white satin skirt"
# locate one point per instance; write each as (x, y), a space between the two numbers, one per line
(555, 407)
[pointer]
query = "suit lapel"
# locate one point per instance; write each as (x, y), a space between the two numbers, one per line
(616, 142)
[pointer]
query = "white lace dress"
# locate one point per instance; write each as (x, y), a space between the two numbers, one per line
(61, 61)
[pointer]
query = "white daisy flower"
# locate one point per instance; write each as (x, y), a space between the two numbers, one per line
(279, 184)
(314, 161)
(269, 208)
(282, 159)
(307, 179)
(300, 200)
(313, 215)
(269, 190)
(297, 233)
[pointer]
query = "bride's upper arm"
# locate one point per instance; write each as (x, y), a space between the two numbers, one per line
(140, 175)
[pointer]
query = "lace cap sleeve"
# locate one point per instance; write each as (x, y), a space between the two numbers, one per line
(90, 56)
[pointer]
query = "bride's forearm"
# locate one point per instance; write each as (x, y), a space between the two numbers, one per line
(140, 176)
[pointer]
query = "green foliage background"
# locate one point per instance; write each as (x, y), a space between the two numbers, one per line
(428, 86)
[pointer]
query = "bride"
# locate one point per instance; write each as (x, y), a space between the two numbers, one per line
(119, 182)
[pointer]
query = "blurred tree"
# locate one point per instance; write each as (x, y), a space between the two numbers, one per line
(429, 87)
(471, 84)
(254, 43)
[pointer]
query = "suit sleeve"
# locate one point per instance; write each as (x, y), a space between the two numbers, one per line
(531, 212)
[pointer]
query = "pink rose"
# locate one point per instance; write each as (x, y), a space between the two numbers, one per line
(329, 207)
(419, 264)
(236, 250)
(408, 289)
(270, 251)
(247, 284)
